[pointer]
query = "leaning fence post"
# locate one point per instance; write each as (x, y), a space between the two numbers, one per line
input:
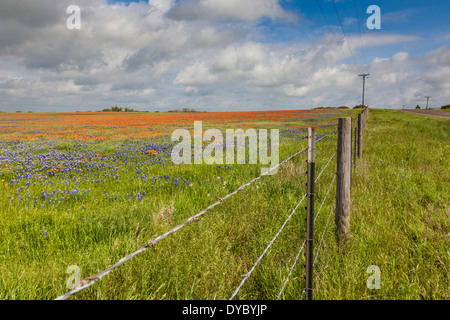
(360, 135)
(310, 214)
(364, 120)
(343, 172)
(355, 151)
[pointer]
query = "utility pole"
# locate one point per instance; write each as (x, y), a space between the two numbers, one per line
(364, 75)
(428, 98)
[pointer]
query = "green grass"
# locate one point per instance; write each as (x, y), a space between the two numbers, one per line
(400, 222)
(400, 213)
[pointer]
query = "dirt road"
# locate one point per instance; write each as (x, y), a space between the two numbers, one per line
(436, 113)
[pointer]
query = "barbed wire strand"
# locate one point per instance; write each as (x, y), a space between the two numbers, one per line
(325, 166)
(291, 269)
(329, 188)
(323, 234)
(298, 255)
(324, 259)
(100, 275)
(332, 207)
(247, 275)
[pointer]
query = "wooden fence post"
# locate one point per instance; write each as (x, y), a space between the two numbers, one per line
(360, 134)
(364, 119)
(355, 151)
(310, 214)
(343, 172)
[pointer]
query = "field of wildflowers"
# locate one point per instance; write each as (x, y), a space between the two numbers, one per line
(87, 188)
(71, 161)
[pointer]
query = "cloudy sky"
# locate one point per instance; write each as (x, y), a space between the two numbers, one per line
(222, 55)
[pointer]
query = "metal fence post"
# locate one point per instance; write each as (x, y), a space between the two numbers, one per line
(343, 178)
(310, 214)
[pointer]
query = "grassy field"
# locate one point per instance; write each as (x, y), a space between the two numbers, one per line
(119, 194)
(400, 212)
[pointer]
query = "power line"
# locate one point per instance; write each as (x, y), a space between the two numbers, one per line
(360, 33)
(345, 35)
(333, 33)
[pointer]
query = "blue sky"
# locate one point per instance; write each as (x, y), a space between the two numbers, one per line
(218, 55)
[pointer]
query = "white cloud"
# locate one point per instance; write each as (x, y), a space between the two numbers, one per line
(293, 91)
(166, 55)
(246, 10)
(197, 73)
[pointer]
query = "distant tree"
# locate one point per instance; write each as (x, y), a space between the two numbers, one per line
(447, 106)
(417, 107)
(360, 106)
(116, 109)
(343, 107)
(18, 111)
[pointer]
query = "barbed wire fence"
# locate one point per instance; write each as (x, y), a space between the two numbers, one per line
(89, 281)
(345, 152)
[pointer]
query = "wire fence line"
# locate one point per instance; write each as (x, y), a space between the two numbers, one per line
(325, 167)
(323, 234)
(247, 275)
(320, 244)
(354, 131)
(291, 269)
(303, 245)
(324, 259)
(89, 281)
(325, 198)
